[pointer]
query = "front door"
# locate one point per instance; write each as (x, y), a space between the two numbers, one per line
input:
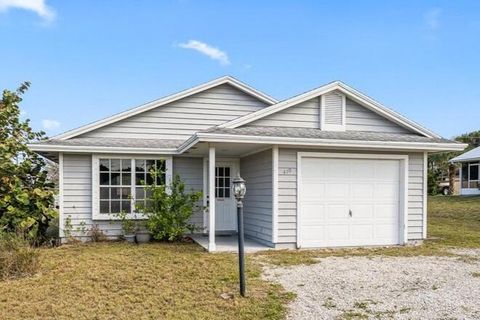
(225, 217)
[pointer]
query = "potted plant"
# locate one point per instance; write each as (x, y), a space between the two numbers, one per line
(128, 226)
(143, 235)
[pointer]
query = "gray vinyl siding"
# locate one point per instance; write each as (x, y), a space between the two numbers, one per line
(77, 197)
(182, 118)
(257, 172)
(307, 115)
(359, 118)
(287, 194)
(303, 115)
(77, 192)
(190, 171)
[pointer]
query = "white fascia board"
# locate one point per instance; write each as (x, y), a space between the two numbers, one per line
(345, 89)
(99, 149)
(464, 160)
(420, 146)
(168, 99)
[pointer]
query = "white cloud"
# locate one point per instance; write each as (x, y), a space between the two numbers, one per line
(432, 18)
(209, 51)
(49, 124)
(37, 6)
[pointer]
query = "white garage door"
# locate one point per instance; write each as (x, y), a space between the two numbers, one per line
(349, 202)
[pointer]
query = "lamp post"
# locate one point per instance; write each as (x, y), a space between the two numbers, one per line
(239, 190)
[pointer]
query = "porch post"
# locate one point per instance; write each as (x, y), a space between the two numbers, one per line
(211, 196)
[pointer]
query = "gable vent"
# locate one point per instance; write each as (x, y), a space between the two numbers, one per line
(332, 115)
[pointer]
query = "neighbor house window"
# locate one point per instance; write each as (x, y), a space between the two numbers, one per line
(119, 183)
(470, 175)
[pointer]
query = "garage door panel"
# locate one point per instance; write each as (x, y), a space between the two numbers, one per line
(387, 191)
(362, 231)
(387, 170)
(337, 232)
(362, 170)
(386, 211)
(313, 191)
(362, 191)
(313, 213)
(331, 187)
(335, 169)
(362, 211)
(337, 190)
(313, 233)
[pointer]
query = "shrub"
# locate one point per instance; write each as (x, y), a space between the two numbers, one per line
(17, 257)
(96, 234)
(170, 209)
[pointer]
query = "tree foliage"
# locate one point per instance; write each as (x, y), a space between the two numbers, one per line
(26, 196)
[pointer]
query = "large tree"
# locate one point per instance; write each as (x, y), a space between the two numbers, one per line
(26, 196)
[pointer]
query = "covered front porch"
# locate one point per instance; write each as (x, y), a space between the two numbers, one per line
(222, 162)
(229, 243)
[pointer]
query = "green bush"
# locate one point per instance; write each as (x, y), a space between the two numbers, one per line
(169, 210)
(17, 257)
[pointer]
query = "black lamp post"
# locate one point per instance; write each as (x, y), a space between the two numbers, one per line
(239, 190)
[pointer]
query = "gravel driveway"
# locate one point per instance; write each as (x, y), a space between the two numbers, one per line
(384, 287)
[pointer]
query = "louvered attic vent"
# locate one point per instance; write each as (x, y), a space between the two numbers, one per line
(332, 111)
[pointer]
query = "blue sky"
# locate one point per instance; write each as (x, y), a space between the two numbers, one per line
(90, 59)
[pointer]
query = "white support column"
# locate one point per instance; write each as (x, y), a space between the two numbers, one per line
(205, 193)
(61, 223)
(275, 194)
(211, 196)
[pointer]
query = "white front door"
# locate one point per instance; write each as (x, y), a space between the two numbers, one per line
(225, 206)
(349, 202)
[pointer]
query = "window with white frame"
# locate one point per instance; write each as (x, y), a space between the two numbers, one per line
(470, 175)
(119, 183)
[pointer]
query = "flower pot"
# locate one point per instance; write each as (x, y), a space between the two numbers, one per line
(143, 236)
(130, 238)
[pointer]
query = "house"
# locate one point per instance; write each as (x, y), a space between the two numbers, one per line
(469, 173)
(330, 167)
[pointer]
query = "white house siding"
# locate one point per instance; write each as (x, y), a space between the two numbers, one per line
(77, 196)
(257, 172)
(181, 119)
(287, 194)
(190, 171)
(306, 115)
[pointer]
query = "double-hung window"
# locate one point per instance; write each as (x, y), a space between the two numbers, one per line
(119, 183)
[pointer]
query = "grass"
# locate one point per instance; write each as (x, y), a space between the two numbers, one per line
(452, 222)
(181, 281)
(154, 281)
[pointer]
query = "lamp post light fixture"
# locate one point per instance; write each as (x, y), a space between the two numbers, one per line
(239, 190)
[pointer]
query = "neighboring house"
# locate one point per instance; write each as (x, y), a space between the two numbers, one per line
(329, 167)
(469, 171)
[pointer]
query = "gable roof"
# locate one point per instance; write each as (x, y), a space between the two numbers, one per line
(168, 99)
(471, 155)
(344, 88)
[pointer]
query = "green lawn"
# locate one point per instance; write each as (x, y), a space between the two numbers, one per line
(153, 281)
(181, 281)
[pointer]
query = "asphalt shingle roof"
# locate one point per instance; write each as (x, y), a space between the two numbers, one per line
(319, 134)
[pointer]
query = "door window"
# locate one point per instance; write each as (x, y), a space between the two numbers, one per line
(222, 182)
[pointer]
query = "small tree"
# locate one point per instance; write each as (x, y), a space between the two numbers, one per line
(169, 210)
(26, 196)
